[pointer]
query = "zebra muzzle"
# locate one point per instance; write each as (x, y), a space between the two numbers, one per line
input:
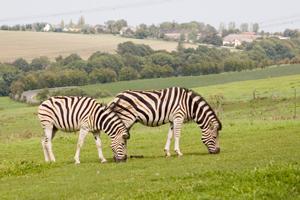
(216, 151)
(118, 160)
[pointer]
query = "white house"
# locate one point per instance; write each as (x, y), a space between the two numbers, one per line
(237, 39)
(47, 27)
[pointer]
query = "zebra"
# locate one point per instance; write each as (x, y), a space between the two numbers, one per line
(172, 105)
(70, 114)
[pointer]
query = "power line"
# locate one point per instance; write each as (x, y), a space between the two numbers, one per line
(122, 6)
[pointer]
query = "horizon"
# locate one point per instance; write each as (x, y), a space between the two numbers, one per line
(271, 16)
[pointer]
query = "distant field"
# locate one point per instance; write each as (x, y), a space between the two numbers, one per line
(202, 81)
(29, 45)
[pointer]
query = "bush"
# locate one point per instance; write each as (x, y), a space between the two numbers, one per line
(70, 92)
(43, 94)
(100, 94)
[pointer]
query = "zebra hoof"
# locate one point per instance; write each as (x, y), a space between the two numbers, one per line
(168, 156)
(180, 155)
(76, 163)
(103, 161)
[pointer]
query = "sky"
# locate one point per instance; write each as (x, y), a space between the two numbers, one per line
(272, 15)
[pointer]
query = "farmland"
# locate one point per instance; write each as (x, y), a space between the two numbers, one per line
(259, 156)
(30, 45)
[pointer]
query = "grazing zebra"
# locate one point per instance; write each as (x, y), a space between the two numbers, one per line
(71, 114)
(172, 105)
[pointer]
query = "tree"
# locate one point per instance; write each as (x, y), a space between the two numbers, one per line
(8, 77)
(72, 57)
(81, 22)
(143, 26)
(109, 24)
(43, 94)
(255, 27)
(193, 35)
(180, 46)
(222, 26)
(153, 31)
(21, 64)
(231, 25)
(62, 24)
(182, 36)
(135, 62)
(40, 63)
(101, 94)
(3, 88)
(134, 49)
(217, 99)
(162, 59)
(291, 33)
(166, 25)
(141, 33)
(71, 24)
(29, 82)
(244, 27)
(128, 73)
(47, 80)
(112, 61)
(16, 88)
(166, 71)
(120, 24)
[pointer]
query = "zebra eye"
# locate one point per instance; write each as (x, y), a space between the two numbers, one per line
(215, 137)
(123, 143)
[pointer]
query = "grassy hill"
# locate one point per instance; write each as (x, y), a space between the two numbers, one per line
(259, 158)
(202, 81)
(29, 45)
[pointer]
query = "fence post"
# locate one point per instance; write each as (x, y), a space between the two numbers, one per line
(295, 117)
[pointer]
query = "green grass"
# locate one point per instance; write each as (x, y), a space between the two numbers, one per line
(208, 80)
(259, 156)
(257, 160)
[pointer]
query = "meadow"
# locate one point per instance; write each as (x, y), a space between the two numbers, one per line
(259, 143)
(30, 45)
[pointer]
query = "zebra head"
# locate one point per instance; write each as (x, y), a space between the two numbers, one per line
(210, 137)
(116, 129)
(118, 146)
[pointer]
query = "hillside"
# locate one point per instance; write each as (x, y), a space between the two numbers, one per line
(197, 81)
(29, 45)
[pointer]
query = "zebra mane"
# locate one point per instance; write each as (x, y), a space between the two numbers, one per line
(194, 95)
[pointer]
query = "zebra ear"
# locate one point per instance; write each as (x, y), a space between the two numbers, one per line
(126, 136)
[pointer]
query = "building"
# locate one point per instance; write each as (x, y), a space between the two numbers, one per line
(124, 29)
(175, 34)
(238, 39)
(47, 28)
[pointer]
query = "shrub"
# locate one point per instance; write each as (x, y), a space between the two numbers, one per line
(70, 92)
(100, 94)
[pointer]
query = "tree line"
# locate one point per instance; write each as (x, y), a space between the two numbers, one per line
(140, 61)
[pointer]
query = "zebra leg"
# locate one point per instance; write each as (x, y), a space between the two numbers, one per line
(177, 129)
(82, 135)
(47, 143)
(99, 146)
(170, 137)
(46, 138)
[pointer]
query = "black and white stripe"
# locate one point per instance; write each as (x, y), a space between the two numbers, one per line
(172, 105)
(71, 114)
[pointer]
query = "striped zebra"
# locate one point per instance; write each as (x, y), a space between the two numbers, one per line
(70, 114)
(172, 105)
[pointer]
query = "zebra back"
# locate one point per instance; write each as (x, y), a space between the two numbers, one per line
(69, 114)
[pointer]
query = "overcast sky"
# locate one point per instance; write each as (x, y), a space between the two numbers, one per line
(272, 15)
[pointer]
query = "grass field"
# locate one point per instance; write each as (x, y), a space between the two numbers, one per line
(29, 45)
(208, 80)
(259, 156)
